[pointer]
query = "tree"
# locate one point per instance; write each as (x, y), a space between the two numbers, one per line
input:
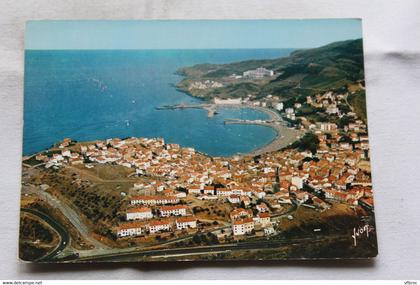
(196, 238)
(344, 121)
(308, 142)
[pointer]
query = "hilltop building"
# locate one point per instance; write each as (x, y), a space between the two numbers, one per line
(258, 73)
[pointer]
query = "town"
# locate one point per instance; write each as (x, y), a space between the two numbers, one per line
(328, 165)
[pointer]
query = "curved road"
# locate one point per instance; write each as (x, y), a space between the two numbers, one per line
(64, 235)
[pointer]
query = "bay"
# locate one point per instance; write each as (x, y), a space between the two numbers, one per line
(98, 94)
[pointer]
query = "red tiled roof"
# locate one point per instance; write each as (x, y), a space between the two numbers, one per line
(243, 221)
(186, 219)
(159, 223)
(131, 225)
(172, 208)
(264, 215)
(139, 210)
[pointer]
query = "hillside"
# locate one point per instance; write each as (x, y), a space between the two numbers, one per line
(335, 66)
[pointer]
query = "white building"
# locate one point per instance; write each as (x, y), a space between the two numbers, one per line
(332, 109)
(244, 226)
(297, 181)
(279, 106)
(234, 199)
(158, 226)
(154, 200)
(177, 210)
(140, 213)
(289, 111)
(326, 127)
(194, 190)
(262, 208)
(258, 73)
(269, 231)
(209, 190)
(186, 222)
(223, 192)
(129, 229)
(264, 219)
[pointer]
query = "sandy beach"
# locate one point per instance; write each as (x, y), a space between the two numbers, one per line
(285, 135)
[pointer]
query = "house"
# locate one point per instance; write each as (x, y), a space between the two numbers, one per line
(207, 197)
(289, 111)
(139, 213)
(297, 181)
(320, 203)
(262, 208)
(130, 229)
(176, 210)
(246, 200)
(66, 153)
(209, 190)
(243, 226)
(279, 106)
(186, 223)
(223, 192)
(269, 231)
(179, 194)
(158, 226)
(283, 197)
(336, 195)
(326, 126)
(234, 199)
(260, 194)
(240, 213)
(193, 189)
(264, 219)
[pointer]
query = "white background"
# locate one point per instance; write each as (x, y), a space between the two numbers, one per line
(392, 53)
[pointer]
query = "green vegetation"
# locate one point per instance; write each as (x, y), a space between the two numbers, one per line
(34, 230)
(35, 238)
(344, 121)
(358, 102)
(308, 142)
(304, 72)
(29, 252)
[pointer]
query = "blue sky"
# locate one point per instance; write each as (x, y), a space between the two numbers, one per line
(189, 34)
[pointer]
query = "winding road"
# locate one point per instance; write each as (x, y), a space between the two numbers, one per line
(64, 235)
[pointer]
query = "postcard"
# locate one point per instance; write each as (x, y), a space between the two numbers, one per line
(180, 140)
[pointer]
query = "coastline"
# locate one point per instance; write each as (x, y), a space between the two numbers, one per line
(285, 136)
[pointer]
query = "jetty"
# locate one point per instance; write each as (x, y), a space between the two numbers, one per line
(284, 137)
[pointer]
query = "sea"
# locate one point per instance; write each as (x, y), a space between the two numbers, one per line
(98, 94)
